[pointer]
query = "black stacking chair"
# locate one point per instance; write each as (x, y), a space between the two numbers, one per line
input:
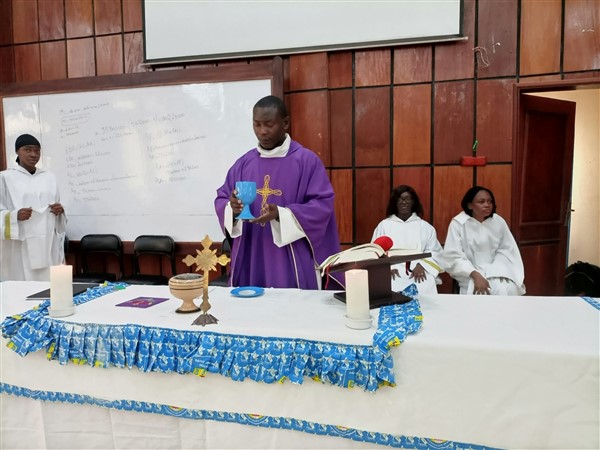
(160, 247)
(223, 279)
(103, 248)
(66, 246)
(582, 279)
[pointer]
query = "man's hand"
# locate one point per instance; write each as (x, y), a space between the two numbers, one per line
(236, 204)
(482, 287)
(271, 214)
(56, 209)
(419, 273)
(24, 213)
(395, 274)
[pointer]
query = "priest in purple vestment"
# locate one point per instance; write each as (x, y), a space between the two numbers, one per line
(295, 228)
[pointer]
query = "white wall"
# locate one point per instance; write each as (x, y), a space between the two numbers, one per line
(584, 241)
(201, 30)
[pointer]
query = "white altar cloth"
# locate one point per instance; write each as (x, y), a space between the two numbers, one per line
(510, 372)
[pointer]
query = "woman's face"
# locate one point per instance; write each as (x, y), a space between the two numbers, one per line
(481, 205)
(404, 205)
(29, 156)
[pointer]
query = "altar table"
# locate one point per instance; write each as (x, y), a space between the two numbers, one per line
(482, 372)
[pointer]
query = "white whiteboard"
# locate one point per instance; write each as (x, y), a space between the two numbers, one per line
(211, 29)
(142, 160)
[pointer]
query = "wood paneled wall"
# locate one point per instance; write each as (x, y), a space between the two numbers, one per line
(377, 118)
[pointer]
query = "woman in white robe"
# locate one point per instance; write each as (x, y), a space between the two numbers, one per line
(480, 252)
(409, 232)
(32, 221)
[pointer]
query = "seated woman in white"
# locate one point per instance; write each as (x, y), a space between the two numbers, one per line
(409, 232)
(480, 252)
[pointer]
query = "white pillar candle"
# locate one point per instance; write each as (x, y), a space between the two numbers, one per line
(61, 287)
(357, 294)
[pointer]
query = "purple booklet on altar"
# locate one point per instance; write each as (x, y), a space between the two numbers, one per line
(143, 302)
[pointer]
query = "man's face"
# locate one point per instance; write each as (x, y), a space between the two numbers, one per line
(269, 127)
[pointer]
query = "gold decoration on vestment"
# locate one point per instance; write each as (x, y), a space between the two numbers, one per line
(264, 192)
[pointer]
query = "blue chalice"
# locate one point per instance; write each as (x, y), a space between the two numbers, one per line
(246, 192)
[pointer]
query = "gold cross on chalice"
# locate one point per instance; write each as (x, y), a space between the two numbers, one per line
(205, 260)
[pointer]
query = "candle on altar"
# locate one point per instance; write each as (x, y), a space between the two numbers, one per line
(61, 291)
(357, 294)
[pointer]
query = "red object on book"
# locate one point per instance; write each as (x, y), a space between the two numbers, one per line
(385, 242)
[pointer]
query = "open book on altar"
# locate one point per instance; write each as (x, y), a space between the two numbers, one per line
(363, 252)
(358, 253)
(377, 262)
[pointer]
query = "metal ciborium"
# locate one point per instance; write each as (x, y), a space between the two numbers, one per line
(187, 287)
(246, 192)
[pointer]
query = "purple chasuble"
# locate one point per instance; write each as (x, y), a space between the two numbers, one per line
(297, 181)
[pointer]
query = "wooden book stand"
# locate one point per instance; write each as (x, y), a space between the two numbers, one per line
(380, 278)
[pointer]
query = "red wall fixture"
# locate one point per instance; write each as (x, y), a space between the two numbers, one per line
(473, 160)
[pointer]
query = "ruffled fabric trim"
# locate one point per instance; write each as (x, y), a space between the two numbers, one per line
(593, 301)
(396, 322)
(256, 420)
(239, 357)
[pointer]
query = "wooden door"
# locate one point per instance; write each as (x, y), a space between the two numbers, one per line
(543, 166)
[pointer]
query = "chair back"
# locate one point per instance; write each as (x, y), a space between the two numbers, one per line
(91, 244)
(582, 279)
(153, 245)
(226, 247)
(66, 245)
(223, 279)
(110, 243)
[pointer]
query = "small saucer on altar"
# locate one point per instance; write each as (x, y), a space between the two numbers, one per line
(358, 324)
(247, 291)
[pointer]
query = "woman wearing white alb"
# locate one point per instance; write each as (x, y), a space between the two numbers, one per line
(32, 221)
(480, 252)
(409, 232)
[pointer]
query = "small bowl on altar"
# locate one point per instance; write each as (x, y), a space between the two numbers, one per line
(187, 287)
